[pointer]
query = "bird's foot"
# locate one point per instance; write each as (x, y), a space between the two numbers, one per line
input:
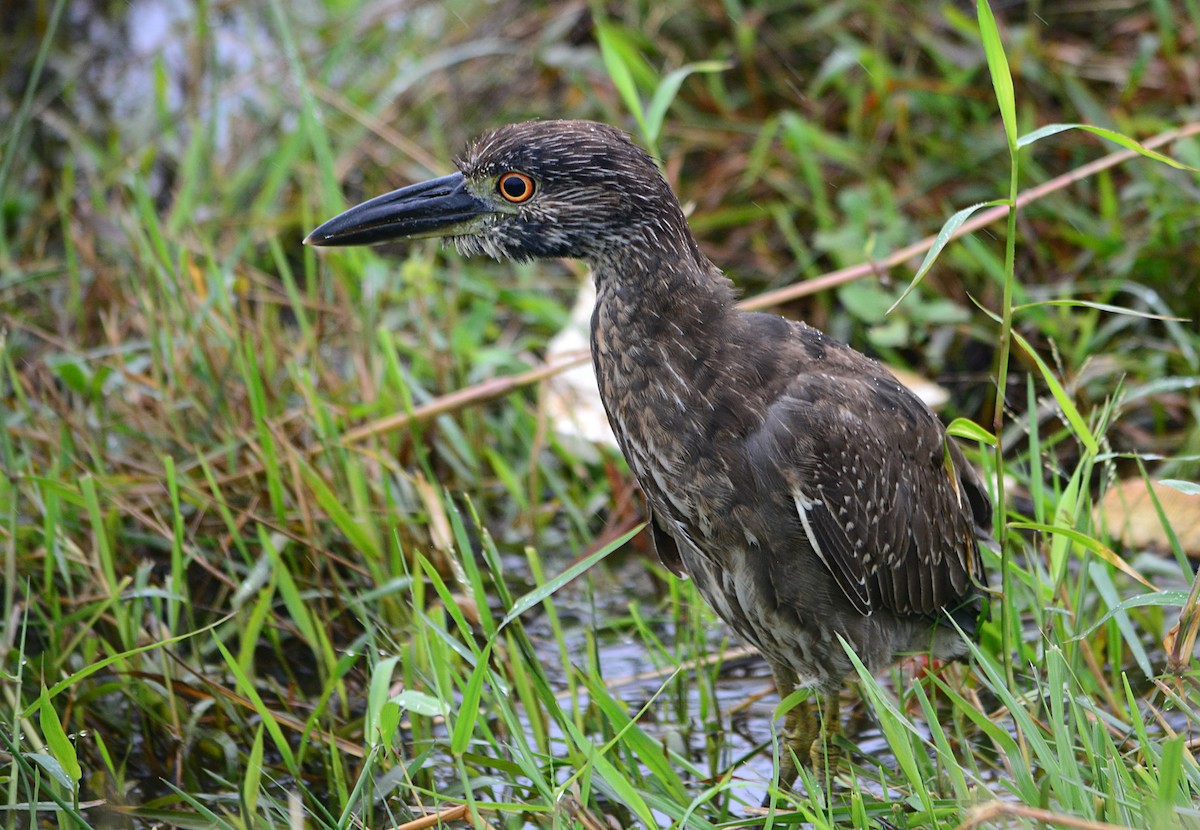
(812, 739)
(824, 752)
(810, 730)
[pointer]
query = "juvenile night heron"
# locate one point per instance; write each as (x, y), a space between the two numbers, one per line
(805, 490)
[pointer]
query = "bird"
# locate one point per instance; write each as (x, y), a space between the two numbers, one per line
(816, 502)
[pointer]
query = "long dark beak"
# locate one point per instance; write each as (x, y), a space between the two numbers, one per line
(439, 207)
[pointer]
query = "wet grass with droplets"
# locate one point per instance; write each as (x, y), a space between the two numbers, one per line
(282, 548)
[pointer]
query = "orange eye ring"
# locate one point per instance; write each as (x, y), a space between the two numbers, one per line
(515, 187)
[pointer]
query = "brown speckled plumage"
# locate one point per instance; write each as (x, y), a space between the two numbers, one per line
(806, 491)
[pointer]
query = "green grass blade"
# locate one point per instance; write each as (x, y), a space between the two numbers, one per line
(69, 681)
(666, 91)
(247, 688)
(57, 741)
(1088, 543)
(997, 61)
(535, 596)
(617, 55)
(468, 710)
(1108, 135)
(942, 239)
(358, 532)
(967, 429)
(254, 770)
(1078, 424)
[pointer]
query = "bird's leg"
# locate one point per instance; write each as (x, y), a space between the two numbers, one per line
(808, 732)
(797, 734)
(794, 728)
(809, 729)
(822, 752)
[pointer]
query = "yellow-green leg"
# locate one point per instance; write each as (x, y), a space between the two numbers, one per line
(809, 729)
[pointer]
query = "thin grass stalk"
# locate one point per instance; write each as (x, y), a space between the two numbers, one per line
(1002, 84)
(1010, 252)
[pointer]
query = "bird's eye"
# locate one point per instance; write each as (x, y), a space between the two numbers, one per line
(515, 187)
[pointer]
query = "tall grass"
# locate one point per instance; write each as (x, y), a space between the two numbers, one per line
(290, 542)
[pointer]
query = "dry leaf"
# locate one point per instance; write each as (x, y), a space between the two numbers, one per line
(1127, 511)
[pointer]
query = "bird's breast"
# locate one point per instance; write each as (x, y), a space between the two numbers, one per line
(668, 415)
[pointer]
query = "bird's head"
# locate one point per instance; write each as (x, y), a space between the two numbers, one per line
(536, 189)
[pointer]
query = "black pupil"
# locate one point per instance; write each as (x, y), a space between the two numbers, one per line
(515, 187)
